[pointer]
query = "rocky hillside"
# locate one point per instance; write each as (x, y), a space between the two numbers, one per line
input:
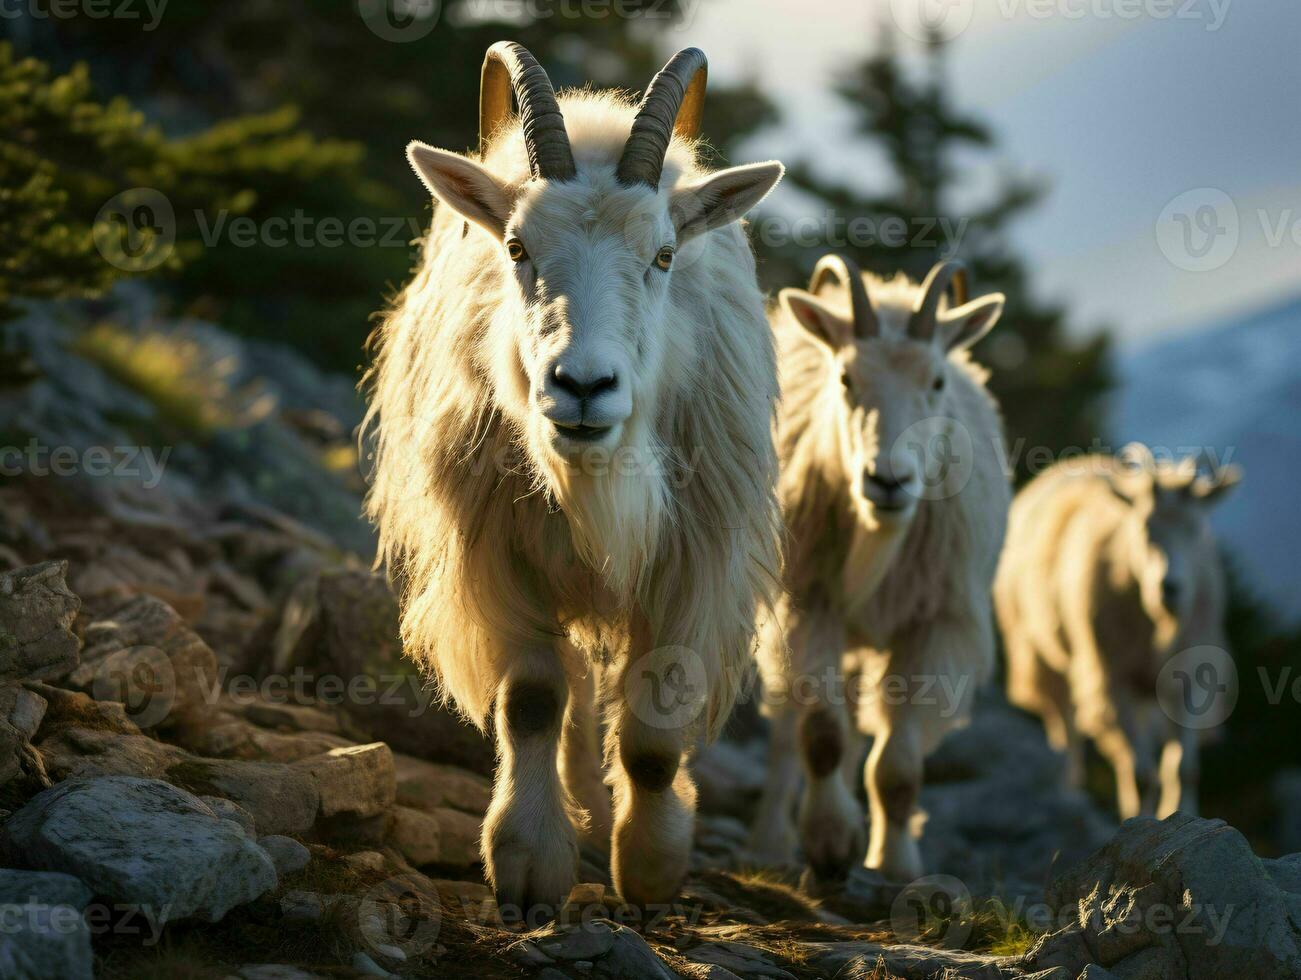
(214, 762)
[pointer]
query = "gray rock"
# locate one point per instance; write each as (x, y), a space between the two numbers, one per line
(145, 656)
(42, 888)
(229, 810)
(1182, 897)
(458, 844)
(615, 951)
(738, 958)
(36, 614)
(304, 907)
(904, 961)
(416, 834)
(141, 841)
(286, 853)
(358, 779)
(45, 942)
(21, 712)
(430, 785)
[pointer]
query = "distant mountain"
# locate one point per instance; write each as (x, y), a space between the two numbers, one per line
(1234, 386)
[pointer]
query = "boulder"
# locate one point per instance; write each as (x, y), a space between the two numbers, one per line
(45, 942)
(286, 853)
(356, 779)
(36, 614)
(145, 656)
(613, 951)
(1178, 898)
(415, 834)
(431, 785)
(141, 841)
(42, 888)
(21, 712)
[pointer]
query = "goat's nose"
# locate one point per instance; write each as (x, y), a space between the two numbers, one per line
(582, 387)
(888, 482)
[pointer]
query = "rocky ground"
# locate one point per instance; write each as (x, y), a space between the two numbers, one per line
(214, 762)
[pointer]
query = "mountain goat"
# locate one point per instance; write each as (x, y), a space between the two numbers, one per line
(895, 502)
(571, 409)
(1110, 569)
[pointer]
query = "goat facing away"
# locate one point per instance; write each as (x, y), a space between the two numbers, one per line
(1111, 570)
(571, 410)
(895, 502)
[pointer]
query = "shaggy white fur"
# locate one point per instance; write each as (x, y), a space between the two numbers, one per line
(895, 503)
(527, 561)
(1110, 569)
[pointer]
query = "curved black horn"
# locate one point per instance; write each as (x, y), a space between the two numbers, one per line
(674, 102)
(509, 69)
(937, 283)
(846, 270)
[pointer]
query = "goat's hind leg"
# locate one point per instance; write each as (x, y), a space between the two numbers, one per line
(530, 850)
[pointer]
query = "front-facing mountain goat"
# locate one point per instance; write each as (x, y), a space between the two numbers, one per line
(1110, 570)
(895, 501)
(574, 474)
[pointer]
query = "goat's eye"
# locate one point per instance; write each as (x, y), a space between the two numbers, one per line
(847, 382)
(515, 249)
(938, 384)
(664, 258)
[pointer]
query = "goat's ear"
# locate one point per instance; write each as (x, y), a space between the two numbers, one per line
(463, 185)
(722, 198)
(962, 327)
(810, 313)
(1212, 490)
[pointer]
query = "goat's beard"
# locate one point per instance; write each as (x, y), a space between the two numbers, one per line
(616, 500)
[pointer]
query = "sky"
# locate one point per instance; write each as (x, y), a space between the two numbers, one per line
(1168, 131)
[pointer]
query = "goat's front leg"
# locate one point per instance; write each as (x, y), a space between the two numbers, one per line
(772, 838)
(1180, 769)
(830, 819)
(530, 851)
(580, 756)
(924, 689)
(657, 697)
